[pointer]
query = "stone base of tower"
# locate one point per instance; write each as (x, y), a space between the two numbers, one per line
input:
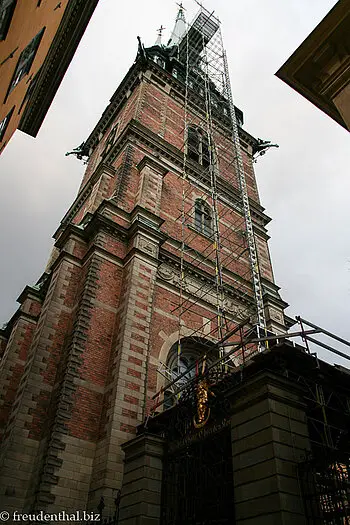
(269, 420)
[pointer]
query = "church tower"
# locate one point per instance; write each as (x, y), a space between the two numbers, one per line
(162, 254)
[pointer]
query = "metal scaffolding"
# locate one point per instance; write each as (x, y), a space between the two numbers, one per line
(217, 239)
(323, 464)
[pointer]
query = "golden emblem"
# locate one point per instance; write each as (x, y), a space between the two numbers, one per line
(203, 411)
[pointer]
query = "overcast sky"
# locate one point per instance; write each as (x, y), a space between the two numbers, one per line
(304, 185)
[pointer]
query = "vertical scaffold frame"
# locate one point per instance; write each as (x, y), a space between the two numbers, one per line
(206, 84)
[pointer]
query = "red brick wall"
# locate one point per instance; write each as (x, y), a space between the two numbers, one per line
(107, 313)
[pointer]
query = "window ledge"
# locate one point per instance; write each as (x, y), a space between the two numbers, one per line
(199, 232)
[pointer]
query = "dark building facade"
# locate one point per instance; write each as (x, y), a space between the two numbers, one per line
(275, 448)
(160, 270)
(38, 40)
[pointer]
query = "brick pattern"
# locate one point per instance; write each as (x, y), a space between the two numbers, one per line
(12, 365)
(126, 391)
(99, 189)
(150, 189)
(90, 370)
(66, 393)
(264, 259)
(25, 429)
(128, 112)
(124, 176)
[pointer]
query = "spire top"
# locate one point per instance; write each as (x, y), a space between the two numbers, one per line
(181, 7)
(180, 26)
(160, 34)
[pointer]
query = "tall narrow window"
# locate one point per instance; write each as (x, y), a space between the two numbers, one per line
(110, 141)
(25, 61)
(198, 146)
(7, 8)
(4, 123)
(202, 217)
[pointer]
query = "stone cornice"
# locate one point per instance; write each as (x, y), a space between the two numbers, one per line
(97, 223)
(164, 152)
(320, 68)
(17, 316)
(152, 163)
(170, 159)
(167, 259)
(130, 81)
(140, 221)
(144, 216)
(35, 292)
(70, 31)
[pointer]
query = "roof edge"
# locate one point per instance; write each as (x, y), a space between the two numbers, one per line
(63, 47)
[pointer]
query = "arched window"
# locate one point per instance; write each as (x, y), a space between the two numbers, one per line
(191, 352)
(202, 217)
(198, 146)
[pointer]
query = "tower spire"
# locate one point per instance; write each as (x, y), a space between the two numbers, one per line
(179, 28)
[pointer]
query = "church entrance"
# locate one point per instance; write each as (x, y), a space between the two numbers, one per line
(198, 481)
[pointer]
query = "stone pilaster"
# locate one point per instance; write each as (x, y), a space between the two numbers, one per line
(269, 438)
(150, 186)
(67, 464)
(125, 394)
(26, 432)
(14, 353)
(142, 482)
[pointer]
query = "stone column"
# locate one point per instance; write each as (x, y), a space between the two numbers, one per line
(269, 438)
(151, 181)
(127, 395)
(142, 483)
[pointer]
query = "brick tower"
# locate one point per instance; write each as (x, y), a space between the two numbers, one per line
(153, 261)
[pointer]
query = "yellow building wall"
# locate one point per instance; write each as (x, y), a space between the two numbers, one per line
(27, 21)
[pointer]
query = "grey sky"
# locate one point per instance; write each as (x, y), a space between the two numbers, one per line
(304, 185)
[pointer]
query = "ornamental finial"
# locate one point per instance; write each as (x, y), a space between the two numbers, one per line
(160, 34)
